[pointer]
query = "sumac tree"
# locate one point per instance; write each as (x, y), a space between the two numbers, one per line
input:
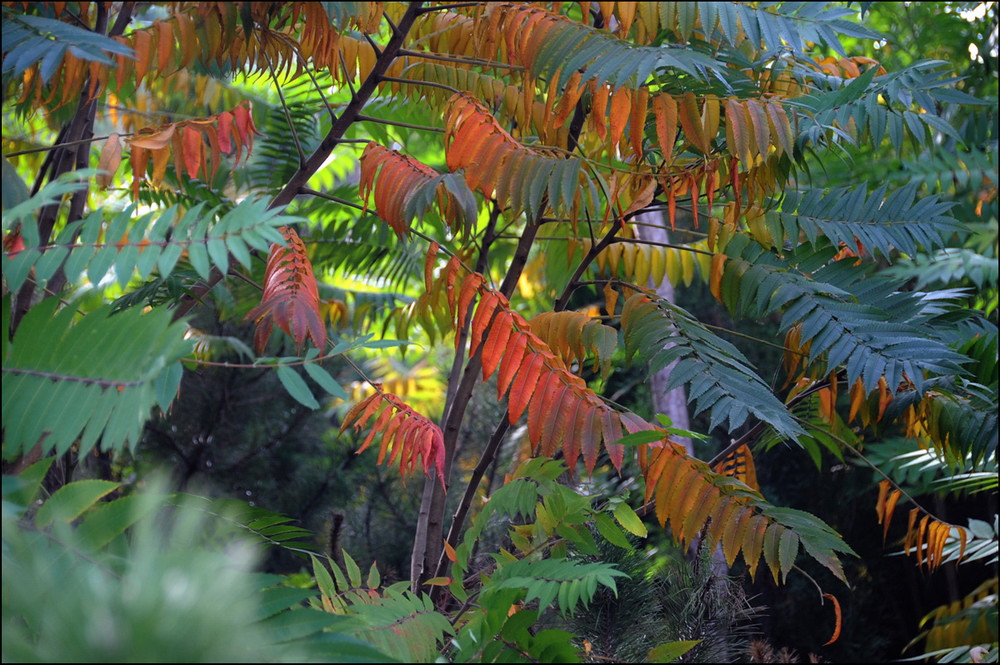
(351, 178)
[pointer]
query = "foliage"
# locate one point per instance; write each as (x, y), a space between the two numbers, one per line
(423, 168)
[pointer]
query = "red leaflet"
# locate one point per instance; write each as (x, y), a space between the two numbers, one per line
(511, 362)
(484, 313)
(244, 125)
(469, 288)
(496, 343)
(291, 298)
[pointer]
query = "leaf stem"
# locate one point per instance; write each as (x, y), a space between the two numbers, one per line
(429, 84)
(61, 145)
(394, 123)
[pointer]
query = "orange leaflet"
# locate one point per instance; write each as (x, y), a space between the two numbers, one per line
(409, 434)
(165, 46)
(621, 105)
(142, 43)
(837, 621)
(429, 264)
(512, 361)
(111, 158)
(192, 150)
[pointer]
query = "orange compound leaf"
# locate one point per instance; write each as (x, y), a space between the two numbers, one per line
(407, 436)
(393, 179)
(291, 297)
(837, 620)
(185, 140)
(490, 157)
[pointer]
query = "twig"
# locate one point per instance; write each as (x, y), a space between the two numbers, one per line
(284, 106)
(456, 5)
(375, 47)
(871, 464)
(312, 77)
(394, 123)
(429, 84)
(460, 60)
(61, 145)
(683, 248)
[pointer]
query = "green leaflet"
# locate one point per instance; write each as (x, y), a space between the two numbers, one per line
(71, 500)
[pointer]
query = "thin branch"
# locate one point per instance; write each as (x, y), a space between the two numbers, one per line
(61, 145)
(347, 79)
(284, 105)
(596, 249)
(429, 84)
(293, 363)
(375, 47)
(428, 55)
(685, 248)
(392, 26)
(487, 458)
(368, 118)
(331, 197)
(456, 5)
(312, 77)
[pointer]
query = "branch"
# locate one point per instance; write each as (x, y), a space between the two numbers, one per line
(350, 114)
(456, 5)
(488, 456)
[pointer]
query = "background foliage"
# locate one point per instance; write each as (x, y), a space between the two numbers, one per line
(224, 340)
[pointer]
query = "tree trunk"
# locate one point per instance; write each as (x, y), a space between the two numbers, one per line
(671, 403)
